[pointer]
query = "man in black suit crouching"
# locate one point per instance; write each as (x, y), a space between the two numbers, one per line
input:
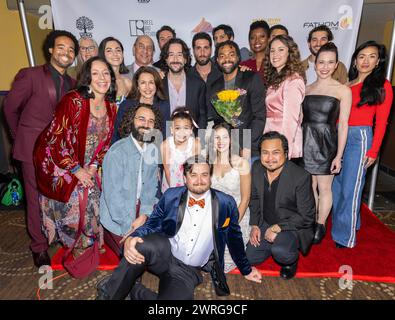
(282, 208)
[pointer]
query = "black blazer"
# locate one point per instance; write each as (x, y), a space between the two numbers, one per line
(195, 99)
(295, 205)
(253, 114)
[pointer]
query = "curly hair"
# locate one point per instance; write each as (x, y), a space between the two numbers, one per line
(49, 42)
(292, 67)
(160, 91)
(127, 122)
(164, 54)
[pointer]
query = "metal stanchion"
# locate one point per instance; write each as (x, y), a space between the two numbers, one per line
(25, 28)
(391, 54)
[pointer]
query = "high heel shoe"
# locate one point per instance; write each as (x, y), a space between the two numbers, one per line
(319, 233)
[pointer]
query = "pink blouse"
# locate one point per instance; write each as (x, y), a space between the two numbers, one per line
(284, 112)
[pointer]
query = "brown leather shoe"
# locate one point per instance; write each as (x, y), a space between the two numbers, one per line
(41, 259)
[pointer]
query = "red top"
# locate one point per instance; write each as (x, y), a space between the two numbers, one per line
(251, 63)
(363, 116)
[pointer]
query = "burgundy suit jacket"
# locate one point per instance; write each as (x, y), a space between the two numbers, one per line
(29, 108)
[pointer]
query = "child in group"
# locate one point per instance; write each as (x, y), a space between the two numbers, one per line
(178, 147)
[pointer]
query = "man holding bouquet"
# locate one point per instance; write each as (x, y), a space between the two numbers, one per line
(242, 104)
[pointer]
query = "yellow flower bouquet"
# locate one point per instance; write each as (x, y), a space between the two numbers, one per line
(228, 104)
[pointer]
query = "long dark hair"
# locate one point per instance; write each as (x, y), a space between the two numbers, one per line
(135, 93)
(164, 54)
(85, 79)
(372, 92)
(102, 48)
(232, 144)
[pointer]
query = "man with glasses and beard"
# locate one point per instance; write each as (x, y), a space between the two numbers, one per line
(252, 91)
(182, 86)
(130, 175)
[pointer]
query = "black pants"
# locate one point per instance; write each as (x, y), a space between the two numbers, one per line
(177, 280)
(284, 249)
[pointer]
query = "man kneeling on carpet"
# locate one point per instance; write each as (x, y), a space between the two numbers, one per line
(130, 175)
(186, 233)
(282, 207)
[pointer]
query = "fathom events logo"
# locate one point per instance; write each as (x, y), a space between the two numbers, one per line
(141, 27)
(84, 24)
(344, 22)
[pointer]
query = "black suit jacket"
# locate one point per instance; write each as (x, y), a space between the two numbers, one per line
(253, 114)
(295, 205)
(195, 99)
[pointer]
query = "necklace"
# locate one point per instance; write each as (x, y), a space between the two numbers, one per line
(98, 108)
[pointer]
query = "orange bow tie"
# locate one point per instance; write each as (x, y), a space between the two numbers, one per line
(201, 203)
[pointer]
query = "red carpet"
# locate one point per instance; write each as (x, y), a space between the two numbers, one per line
(108, 260)
(373, 259)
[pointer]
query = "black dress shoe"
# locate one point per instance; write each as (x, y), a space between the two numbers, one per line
(41, 259)
(288, 272)
(101, 291)
(319, 233)
(340, 246)
(133, 294)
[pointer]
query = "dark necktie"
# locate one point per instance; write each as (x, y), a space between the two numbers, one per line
(61, 88)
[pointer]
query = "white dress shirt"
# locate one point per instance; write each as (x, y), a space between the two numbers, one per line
(193, 242)
(311, 75)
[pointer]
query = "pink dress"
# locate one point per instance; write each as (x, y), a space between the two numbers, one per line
(284, 112)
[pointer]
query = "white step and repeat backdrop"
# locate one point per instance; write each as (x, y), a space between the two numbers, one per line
(127, 19)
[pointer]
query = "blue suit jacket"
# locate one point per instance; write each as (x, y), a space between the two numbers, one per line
(169, 213)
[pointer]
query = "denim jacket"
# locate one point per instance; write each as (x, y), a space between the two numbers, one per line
(120, 173)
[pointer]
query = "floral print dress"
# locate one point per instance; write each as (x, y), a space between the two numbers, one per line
(60, 219)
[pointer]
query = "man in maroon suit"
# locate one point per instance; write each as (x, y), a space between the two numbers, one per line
(28, 108)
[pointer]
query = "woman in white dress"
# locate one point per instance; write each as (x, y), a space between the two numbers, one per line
(231, 175)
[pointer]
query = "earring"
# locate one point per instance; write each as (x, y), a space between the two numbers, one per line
(89, 90)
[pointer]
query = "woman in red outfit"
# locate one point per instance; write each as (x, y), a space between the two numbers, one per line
(371, 99)
(68, 153)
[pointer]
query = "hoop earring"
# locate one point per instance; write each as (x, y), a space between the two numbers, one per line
(89, 90)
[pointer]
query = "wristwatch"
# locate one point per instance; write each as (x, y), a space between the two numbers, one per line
(275, 228)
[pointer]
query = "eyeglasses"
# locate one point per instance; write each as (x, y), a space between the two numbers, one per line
(143, 47)
(142, 119)
(90, 48)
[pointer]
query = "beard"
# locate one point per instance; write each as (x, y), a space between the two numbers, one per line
(203, 61)
(226, 70)
(313, 52)
(198, 189)
(175, 70)
(142, 137)
(57, 61)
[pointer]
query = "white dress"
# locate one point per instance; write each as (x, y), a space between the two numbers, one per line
(230, 184)
(176, 160)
